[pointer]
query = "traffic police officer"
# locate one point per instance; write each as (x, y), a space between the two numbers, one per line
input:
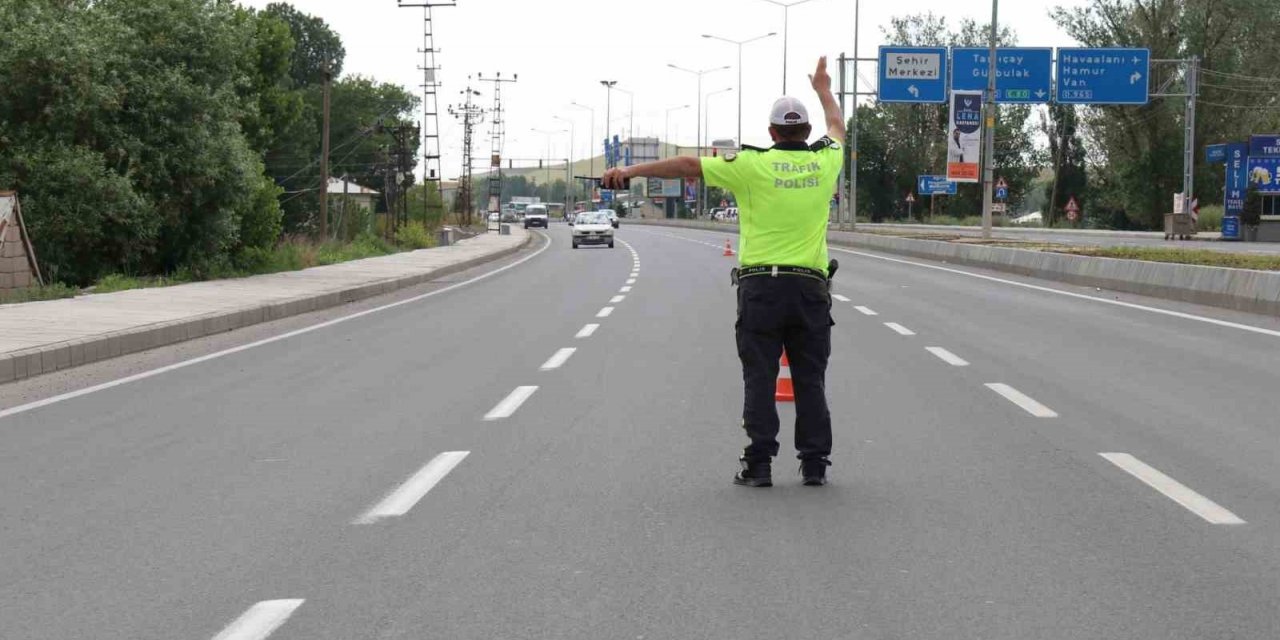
(784, 300)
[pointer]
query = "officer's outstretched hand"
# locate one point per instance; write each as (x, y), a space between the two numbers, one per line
(819, 79)
(614, 179)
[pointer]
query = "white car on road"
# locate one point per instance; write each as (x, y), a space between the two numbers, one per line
(592, 228)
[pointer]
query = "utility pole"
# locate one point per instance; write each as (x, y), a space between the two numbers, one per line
(989, 125)
(470, 114)
(497, 135)
(324, 159)
(431, 170)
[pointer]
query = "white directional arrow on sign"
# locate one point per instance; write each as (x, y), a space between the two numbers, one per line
(1041, 94)
(1133, 79)
(914, 91)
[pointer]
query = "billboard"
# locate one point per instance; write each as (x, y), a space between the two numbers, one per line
(964, 136)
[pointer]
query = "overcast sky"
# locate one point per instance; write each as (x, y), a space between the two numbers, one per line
(562, 49)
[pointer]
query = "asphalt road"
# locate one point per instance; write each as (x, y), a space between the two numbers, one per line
(445, 469)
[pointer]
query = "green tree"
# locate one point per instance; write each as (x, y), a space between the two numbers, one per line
(139, 103)
(898, 142)
(1136, 152)
(1067, 159)
(315, 45)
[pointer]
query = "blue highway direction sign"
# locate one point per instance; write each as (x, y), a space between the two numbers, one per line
(1023, 75)
(1104, 76)
(935, 186)
(913, 74)
(1215, 153)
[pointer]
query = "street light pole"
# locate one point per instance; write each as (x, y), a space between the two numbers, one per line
(786, 34)
(591, 154)
(568, 167)
(698, 116)
(706, 131)
(739, 44)
(666, 130)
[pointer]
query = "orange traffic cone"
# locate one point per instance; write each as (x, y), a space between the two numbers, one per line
(785, 391)
(728, 250)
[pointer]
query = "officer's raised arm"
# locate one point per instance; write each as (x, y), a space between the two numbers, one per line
(830, 108)
(681, 167)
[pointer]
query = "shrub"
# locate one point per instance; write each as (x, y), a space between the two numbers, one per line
(414, 236)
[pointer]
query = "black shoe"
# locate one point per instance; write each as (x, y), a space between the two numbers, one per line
(814, 471)
(754, 474)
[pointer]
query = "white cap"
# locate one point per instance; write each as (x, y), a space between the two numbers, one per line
(788, 110)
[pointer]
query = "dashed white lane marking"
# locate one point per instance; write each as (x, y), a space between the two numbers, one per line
(252, 345)
(900, 329)
(260, 621)
(1021, 399)
(624, 290)
(556, 361)
(605, 312)
(1072, 294)
(631, 280)
(866, 312)
(510, 403)
(586, 331)
(947, 357)
(400, 501)
(617, 299)
(840, 297)
(1212, 512)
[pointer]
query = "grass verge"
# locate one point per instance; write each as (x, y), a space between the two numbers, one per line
(35, 294)
(1201, 257)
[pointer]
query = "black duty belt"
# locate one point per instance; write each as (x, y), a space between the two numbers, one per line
(780, 270)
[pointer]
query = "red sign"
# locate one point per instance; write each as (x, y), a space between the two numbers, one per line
(911, 198)
(1001, 184)
(1073, 206)
(724, 203)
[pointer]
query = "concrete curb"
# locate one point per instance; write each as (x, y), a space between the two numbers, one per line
(1239, 289)
(18, 365)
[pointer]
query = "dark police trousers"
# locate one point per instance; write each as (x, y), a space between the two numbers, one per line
(795, 312)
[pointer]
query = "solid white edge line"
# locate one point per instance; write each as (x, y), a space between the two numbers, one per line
(1072, 294)
(840, 297)
(1026, 402)
(22, 408)
(947, 357)
(1210, 511)
(866, 312)
(605, 312)
(587, 330)
(260, 621)
(511, 403)
(556, 361)
(403, 499)
(617, 299)
(901, 330)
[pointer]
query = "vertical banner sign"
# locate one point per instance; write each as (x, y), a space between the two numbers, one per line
(964, 140)
(690, 190)
(1237, 178)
